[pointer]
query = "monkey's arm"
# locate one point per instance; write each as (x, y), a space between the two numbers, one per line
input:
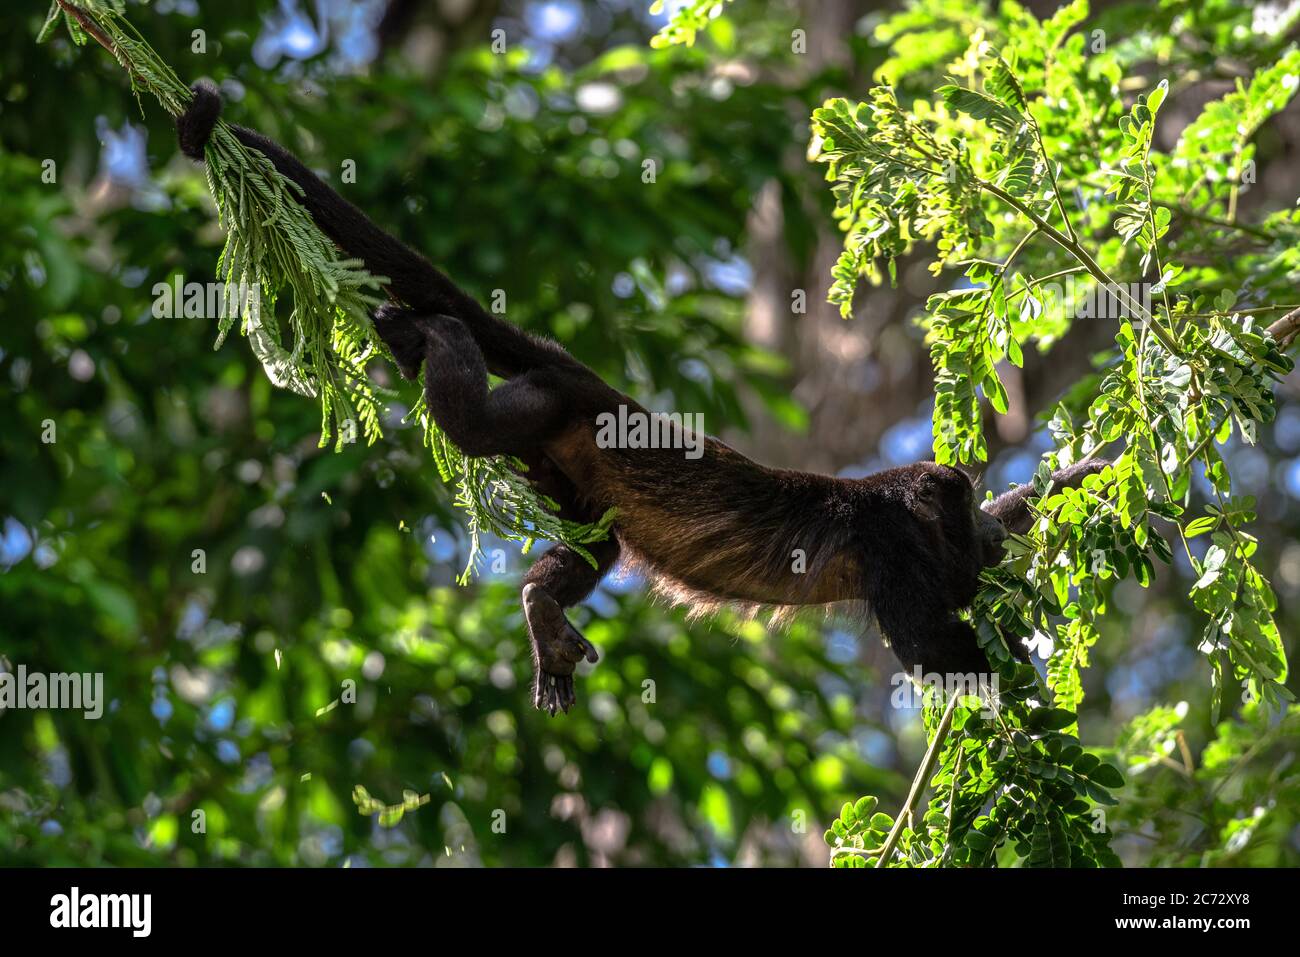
(930, 643)
(513, 419)
(1012, 507)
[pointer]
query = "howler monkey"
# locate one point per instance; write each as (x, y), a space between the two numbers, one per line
(712, 530)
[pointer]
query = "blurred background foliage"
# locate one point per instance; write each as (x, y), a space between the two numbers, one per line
(320, 647)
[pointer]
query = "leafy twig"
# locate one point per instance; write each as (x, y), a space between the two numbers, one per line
(918, 783)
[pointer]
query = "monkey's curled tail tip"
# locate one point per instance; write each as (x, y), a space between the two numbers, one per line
(195, 125)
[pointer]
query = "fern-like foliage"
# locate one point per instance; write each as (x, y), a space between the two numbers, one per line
(323, 349)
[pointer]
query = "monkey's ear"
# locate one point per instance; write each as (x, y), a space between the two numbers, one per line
(968, 472)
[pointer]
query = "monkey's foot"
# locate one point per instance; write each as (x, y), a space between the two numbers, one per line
(557, 649)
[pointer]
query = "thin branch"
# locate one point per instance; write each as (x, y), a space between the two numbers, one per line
(1033, 283)
(1280, 307)
(952, 807)
(92, 28)
(89, 25)
(918, 783)
(1286, 329)
(1083, 256)
(1000, 279)
(1257, 231)
(1051, 171)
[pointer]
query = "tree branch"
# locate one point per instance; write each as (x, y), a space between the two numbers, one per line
(918, 783)
(90, 26)
(1286, 329)
(1082, 255)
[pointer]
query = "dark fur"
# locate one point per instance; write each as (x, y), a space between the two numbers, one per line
(908, 543)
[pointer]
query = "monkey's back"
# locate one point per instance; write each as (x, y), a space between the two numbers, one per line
(713, 529)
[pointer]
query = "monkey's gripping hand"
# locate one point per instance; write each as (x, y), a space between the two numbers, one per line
(404, 332)
(557, 649)
(1012, 508)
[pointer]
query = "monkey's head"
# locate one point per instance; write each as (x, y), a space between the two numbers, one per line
(943, 527)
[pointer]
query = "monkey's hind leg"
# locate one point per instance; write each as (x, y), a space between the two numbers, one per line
(516, 416)
(513, 419)
(557, 580)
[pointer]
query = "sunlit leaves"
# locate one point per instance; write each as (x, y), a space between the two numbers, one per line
(1213, 148)
(1083, 192)
(997, 114)
(1176, 384)
(1176, 796)
(388, 815)
(686, 22)
(890, 184)
(498, 500)
(1012, 786)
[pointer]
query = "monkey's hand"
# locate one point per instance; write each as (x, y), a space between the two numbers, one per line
(557, 649)
(1012, 507)
(403, 331)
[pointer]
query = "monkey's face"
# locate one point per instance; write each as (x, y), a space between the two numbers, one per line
(992, 533)
(955, 530)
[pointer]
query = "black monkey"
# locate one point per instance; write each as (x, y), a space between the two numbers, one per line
(718, 529)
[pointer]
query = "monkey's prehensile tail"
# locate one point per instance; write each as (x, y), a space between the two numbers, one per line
(413, 280)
